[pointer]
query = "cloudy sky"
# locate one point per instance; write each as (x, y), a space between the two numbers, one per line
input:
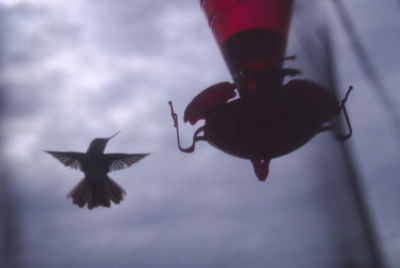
(74, 70)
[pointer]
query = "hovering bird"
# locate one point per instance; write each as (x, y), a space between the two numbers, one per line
(96, 188)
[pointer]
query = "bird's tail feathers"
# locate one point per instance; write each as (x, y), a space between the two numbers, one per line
(96, 194)
(113, 191)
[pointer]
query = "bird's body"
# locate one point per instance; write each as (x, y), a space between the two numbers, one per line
(96, 188)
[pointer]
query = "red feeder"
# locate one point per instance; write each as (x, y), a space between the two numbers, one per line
(229, 17)
(251, 34)
(269, 119)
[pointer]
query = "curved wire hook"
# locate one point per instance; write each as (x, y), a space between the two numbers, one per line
(339, 136)
(195, 135)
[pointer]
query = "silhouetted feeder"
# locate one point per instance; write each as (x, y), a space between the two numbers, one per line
(268, 119)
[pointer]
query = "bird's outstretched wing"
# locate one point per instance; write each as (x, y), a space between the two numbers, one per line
(69, 159)
(121, 161)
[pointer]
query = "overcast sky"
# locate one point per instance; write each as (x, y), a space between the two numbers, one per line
(75, 70)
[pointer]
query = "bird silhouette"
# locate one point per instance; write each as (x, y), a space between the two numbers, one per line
(96, 188)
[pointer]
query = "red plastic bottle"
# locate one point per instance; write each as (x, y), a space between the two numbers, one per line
(251, 34)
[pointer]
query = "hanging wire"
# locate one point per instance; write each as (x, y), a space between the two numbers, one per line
(328, 74)
(356, 186)
(366, 64)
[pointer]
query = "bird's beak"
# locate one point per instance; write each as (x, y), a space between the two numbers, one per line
(112, 136)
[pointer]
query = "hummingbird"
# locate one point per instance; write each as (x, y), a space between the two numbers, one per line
(96, 188)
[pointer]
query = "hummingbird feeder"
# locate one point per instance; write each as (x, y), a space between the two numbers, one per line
(268, 119)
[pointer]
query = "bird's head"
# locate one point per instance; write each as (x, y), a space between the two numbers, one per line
(99, 144)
